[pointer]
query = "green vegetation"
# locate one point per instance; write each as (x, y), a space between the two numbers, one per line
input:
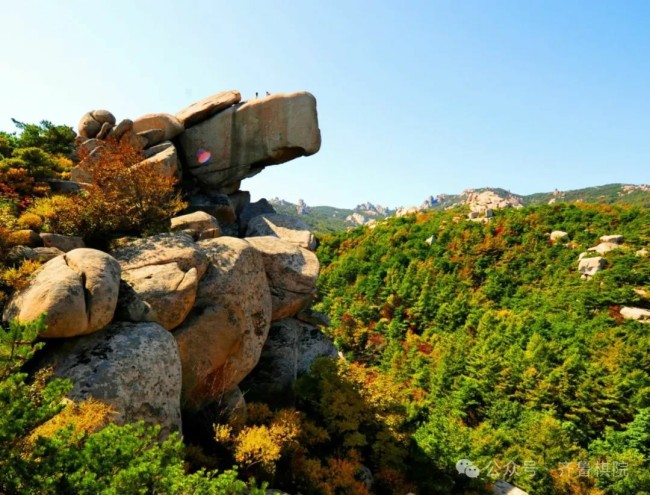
(82, 454)
(507, 357)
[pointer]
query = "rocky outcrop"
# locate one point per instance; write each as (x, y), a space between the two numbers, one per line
(221, 340)
(614, 238)
(133, 367)
(290, 229)
(78, 291)
(289, 352)
(243, 139)
(292, 272)
(638, 314)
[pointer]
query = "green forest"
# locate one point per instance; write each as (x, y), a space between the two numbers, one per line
(507, 357)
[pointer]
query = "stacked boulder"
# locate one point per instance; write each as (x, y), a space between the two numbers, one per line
(176, 321)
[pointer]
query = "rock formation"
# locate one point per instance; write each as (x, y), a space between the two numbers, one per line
(179, 319)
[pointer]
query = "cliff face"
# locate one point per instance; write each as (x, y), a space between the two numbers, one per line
(173, 323)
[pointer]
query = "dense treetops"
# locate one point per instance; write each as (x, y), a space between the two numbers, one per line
(509, 358)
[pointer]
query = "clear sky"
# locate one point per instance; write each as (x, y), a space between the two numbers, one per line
(414, 97)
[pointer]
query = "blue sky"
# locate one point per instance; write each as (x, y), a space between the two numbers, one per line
(414, 98)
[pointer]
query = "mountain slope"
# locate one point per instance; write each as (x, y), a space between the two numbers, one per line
(509, 357)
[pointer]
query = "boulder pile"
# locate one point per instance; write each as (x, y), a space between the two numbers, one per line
(173, 323)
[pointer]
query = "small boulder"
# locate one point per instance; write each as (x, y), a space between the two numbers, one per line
(605, 247)
(291, 271)
(638, 314)
(133, 367)
(63, 242)
(617, 239)
(590, 266)
(196, 223)
(91, 122)
(77, 290)
(288, 228)
(168, 124)
(559, 236)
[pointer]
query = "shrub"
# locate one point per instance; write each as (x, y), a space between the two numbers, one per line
(36, 457)
(17, 278)
(30, 220)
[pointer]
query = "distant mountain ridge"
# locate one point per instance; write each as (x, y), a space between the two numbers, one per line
(325, 219)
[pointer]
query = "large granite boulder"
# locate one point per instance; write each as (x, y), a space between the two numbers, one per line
(206, 107)
(286, 227)
(221, 340)
(243, 139)
(161, 249)
(164, 272)
(169, 124)
(289, 351)
(77, 290)
(133, 367)
(291, 271)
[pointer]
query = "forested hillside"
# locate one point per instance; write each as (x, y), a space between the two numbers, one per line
(509, 358)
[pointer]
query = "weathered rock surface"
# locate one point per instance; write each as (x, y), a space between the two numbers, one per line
(63, 242)
(169, 291)
(252, 210)
(240, 141)
(590, 266)
(133, 367)
(164, 271)
(290, 229)
(206, 107)
(559, 236)
(91, 122)
(221, 339)
(638, 314)
(604, 247)
(290, 350)
(196, 223)
(164, 162)
(169, 124)
(217, 205)
(77, 290)
(292, 272)
(161, 249)
(616, 238)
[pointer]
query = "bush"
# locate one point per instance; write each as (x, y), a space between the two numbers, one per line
(123, 198)
(38, 458)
